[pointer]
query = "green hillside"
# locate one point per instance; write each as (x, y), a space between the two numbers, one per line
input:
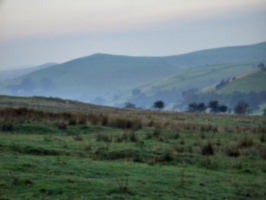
(254, 82)
(198, 77)
(101, 78)
(99, 75)
(170, 89)
(236, 54)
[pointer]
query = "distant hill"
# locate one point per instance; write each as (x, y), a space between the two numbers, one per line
(103, 79)
(14, 73)
(170, 89)
(229, 55)
(249, 87)
(251, 82)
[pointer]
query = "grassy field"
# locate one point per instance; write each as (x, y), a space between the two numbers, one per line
(254, 82)
(68, 150)
(198, 77)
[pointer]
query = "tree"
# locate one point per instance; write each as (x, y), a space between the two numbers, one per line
(201, 107)
(261, 66)
(223, 108)
(214, 106)
(264, 112)
(242, 108)
(158, 104)
(193, 107)
(129, 105)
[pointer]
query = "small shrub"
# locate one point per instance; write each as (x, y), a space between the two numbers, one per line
(82, 121)
(126, 124)
(118, 138)
(179, 149)
(207, 149)
(88, 147)
(122, 184)
(103, 137)
(208, 163)
(157, 133)
(262, 151)
(262, 138)
(246, 142)
(218, 142)
(17, 181)
(72, 122)
(151, 123)
(102, 149)
(62, 125)
(141, 144)
(78, 138)
(133, 137)
(94, 119)
(202, 135)
(105, 121)
(232, 151)
(175, 135)
(168, 156)
(182, 142)
(47, 138)
(7, 126)
(122, 123)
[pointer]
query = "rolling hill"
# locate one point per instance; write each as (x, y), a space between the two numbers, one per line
(103, 79)
(248, 87)
(14, 73)
(252, 82)
(170, 88)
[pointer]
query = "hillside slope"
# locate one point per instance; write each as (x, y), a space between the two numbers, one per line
(170, 89)
(229, 55)
(100, 78)
(253, 82)
(14, 73)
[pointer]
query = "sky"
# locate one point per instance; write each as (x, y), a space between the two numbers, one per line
(34, 32)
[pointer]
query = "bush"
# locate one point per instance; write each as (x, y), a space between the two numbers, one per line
(103, 137)
(157, 133)
(62, 125)
(78, 138)
(168, 155)
(105, 121)
(72, 122)
(207, 149)
(133, 137)
(232, 151)
(246, 142)
(127, 137)
(7, 126)
(82, 121)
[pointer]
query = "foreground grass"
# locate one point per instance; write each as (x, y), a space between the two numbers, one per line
(155, 155)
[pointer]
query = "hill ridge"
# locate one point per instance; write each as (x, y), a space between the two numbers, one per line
(103, 78)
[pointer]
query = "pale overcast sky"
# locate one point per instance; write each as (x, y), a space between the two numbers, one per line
(34, 32)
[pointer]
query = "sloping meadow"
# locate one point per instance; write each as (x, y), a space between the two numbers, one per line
(131, 154)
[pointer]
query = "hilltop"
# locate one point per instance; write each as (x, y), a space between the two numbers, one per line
(110, 79)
